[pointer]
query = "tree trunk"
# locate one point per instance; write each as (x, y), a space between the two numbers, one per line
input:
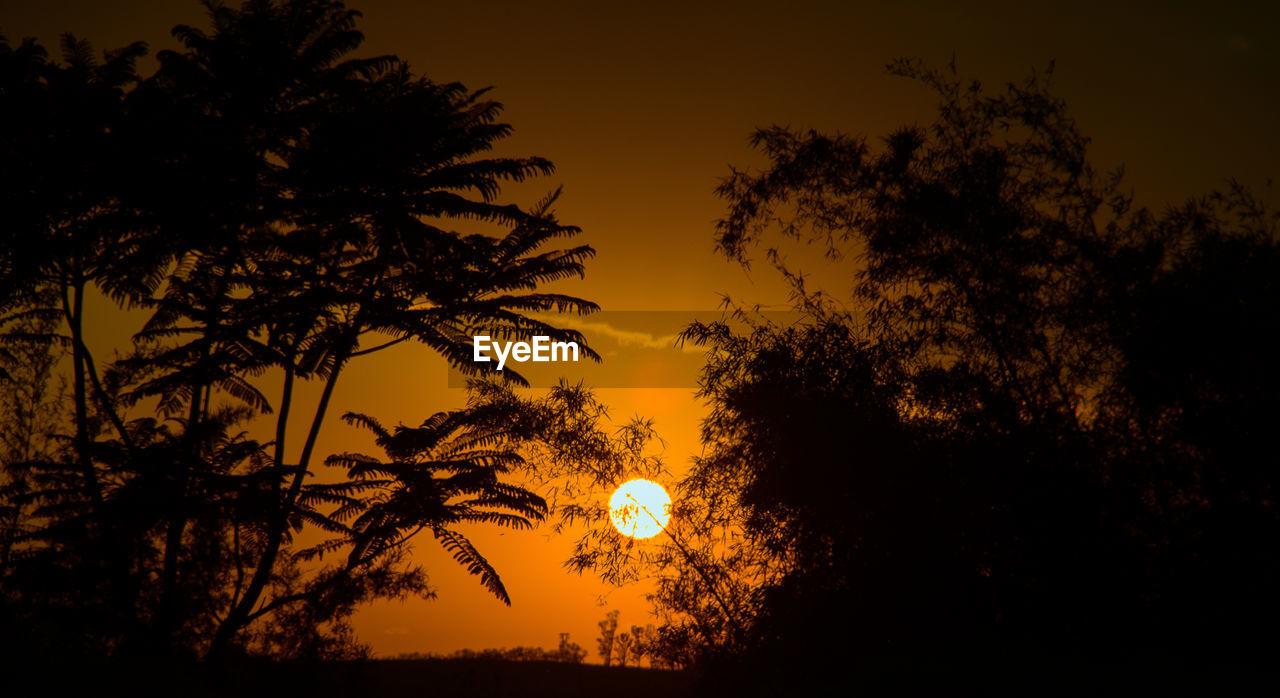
(239, 616)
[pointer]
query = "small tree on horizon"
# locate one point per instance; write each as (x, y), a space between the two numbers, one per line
(569, 651)
(622, 647)
(641, 639)
(608, 633)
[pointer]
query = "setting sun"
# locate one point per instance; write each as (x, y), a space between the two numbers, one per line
(640, 509)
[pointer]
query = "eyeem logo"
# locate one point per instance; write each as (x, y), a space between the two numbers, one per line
(541, 350)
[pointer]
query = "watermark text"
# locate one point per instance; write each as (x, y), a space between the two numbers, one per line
(540, 350)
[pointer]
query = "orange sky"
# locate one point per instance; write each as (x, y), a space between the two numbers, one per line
(643, 107)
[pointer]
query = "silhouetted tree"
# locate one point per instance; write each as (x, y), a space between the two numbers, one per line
(639, 643)
(608, 633)
(622, 647)
(569, 651)
(57, 189)
(280, 210)
(1007, 439)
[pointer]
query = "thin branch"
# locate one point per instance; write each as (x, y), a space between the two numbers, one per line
(380, 347)
(711, 586)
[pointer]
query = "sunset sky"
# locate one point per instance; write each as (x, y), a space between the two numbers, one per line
(643, 107)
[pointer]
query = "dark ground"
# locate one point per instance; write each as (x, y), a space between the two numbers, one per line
(476, 678)
(387, 678)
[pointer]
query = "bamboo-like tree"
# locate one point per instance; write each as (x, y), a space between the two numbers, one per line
(1033, 424)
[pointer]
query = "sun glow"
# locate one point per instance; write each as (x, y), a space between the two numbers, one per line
(640, 509)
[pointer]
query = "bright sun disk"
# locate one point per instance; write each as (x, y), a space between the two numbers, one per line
(640, 508)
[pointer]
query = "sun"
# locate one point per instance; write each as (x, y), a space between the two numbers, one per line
(640, 508)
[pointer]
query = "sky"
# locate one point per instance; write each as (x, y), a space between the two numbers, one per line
(644, 107)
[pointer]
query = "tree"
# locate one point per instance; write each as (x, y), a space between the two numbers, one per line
(622, 647)
(58, 239)
(641, 637)
(987, 446)
(568, 651)
(32, 415)
(280, 210)
(608, 633)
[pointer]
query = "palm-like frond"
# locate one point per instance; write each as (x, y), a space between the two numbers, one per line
(439, 474)
(466, 554)
(276, 205)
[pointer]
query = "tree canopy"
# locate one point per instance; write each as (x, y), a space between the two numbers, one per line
(1037, 424)
(278, 207)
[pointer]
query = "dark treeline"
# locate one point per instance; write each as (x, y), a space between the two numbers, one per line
(274, 209)
(566, 652)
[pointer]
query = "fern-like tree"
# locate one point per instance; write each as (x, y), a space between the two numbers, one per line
(279, 209)
(455, 469)
(59, 162)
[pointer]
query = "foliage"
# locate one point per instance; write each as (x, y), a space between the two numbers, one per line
(641, 637)
(1036, 425)
(276, 209)
(569, 651)
(615, 646)
(32, 413)
(608, 634)
(622, 647)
